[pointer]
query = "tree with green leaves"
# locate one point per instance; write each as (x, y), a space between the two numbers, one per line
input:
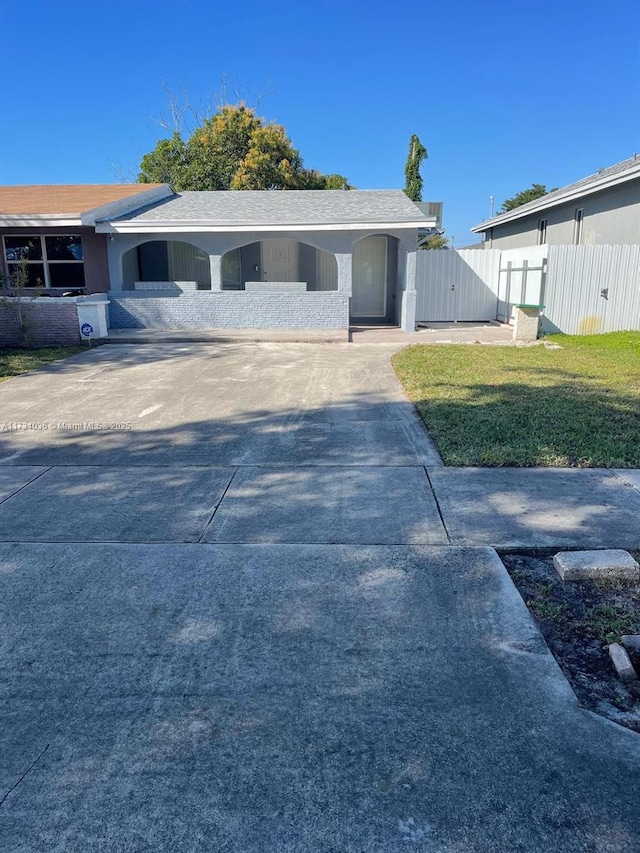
(435, 241)
(534, 191)
(166, 164)
(413, 179)
(233, 149)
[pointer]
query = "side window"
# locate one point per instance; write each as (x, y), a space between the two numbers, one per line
(577, 226)
(542, 231)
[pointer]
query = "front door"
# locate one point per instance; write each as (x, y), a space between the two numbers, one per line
(280, 260)
(369, 278)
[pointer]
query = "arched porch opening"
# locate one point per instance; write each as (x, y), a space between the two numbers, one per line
(279, 261)
(165, 262)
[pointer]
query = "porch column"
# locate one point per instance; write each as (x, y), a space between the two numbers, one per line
(215, 263)
(409, 295)
(344, 262)
(115, 254)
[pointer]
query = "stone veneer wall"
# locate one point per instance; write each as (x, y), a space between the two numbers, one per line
(220, 310)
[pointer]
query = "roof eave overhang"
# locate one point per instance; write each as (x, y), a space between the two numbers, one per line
(40, 220)
(181, 227)
(120, 207)
(579, 192)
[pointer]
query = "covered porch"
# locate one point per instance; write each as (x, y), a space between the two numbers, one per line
(199, 281)
(283, 262)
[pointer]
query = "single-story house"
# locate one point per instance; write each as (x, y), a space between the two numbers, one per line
(602, 209)
(195, 260)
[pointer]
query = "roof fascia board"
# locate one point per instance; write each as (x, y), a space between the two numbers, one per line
(123, 206)
(177, 227)
(569, 195)
(89, 217)
(32, 220)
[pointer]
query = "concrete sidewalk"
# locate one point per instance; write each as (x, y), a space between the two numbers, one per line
(433, 333)
(227, 336)
(497, 334)
(368, 503)
(234, 616)
(539, 507)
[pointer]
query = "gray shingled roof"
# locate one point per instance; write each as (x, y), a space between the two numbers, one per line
(290, 207)
(583, 186)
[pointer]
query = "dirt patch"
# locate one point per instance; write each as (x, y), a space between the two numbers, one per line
(578, 621)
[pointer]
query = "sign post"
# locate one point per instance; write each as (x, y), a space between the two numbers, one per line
(86, 330)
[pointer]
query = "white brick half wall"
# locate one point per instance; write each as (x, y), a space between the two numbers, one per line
(222, 310)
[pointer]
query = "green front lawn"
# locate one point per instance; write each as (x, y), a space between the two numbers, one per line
(14, 360)
(578, 406)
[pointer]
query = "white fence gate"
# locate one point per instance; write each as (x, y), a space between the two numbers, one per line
(457, 286)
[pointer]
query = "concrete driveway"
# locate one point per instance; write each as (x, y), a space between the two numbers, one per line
(231, 619)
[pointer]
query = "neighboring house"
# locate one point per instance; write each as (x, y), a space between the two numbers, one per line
(193, 260)
(50, 229)
(602, 209)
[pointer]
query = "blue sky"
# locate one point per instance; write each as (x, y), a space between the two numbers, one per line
(503, 93)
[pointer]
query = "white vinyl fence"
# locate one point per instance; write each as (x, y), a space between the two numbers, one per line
(592, 289)
(521, 279)
(584, 289)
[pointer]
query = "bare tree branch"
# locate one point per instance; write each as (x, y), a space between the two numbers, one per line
(123, 174)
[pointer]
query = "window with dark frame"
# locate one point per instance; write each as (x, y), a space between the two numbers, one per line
(53, 261)
(577, 228)
(542, 231)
